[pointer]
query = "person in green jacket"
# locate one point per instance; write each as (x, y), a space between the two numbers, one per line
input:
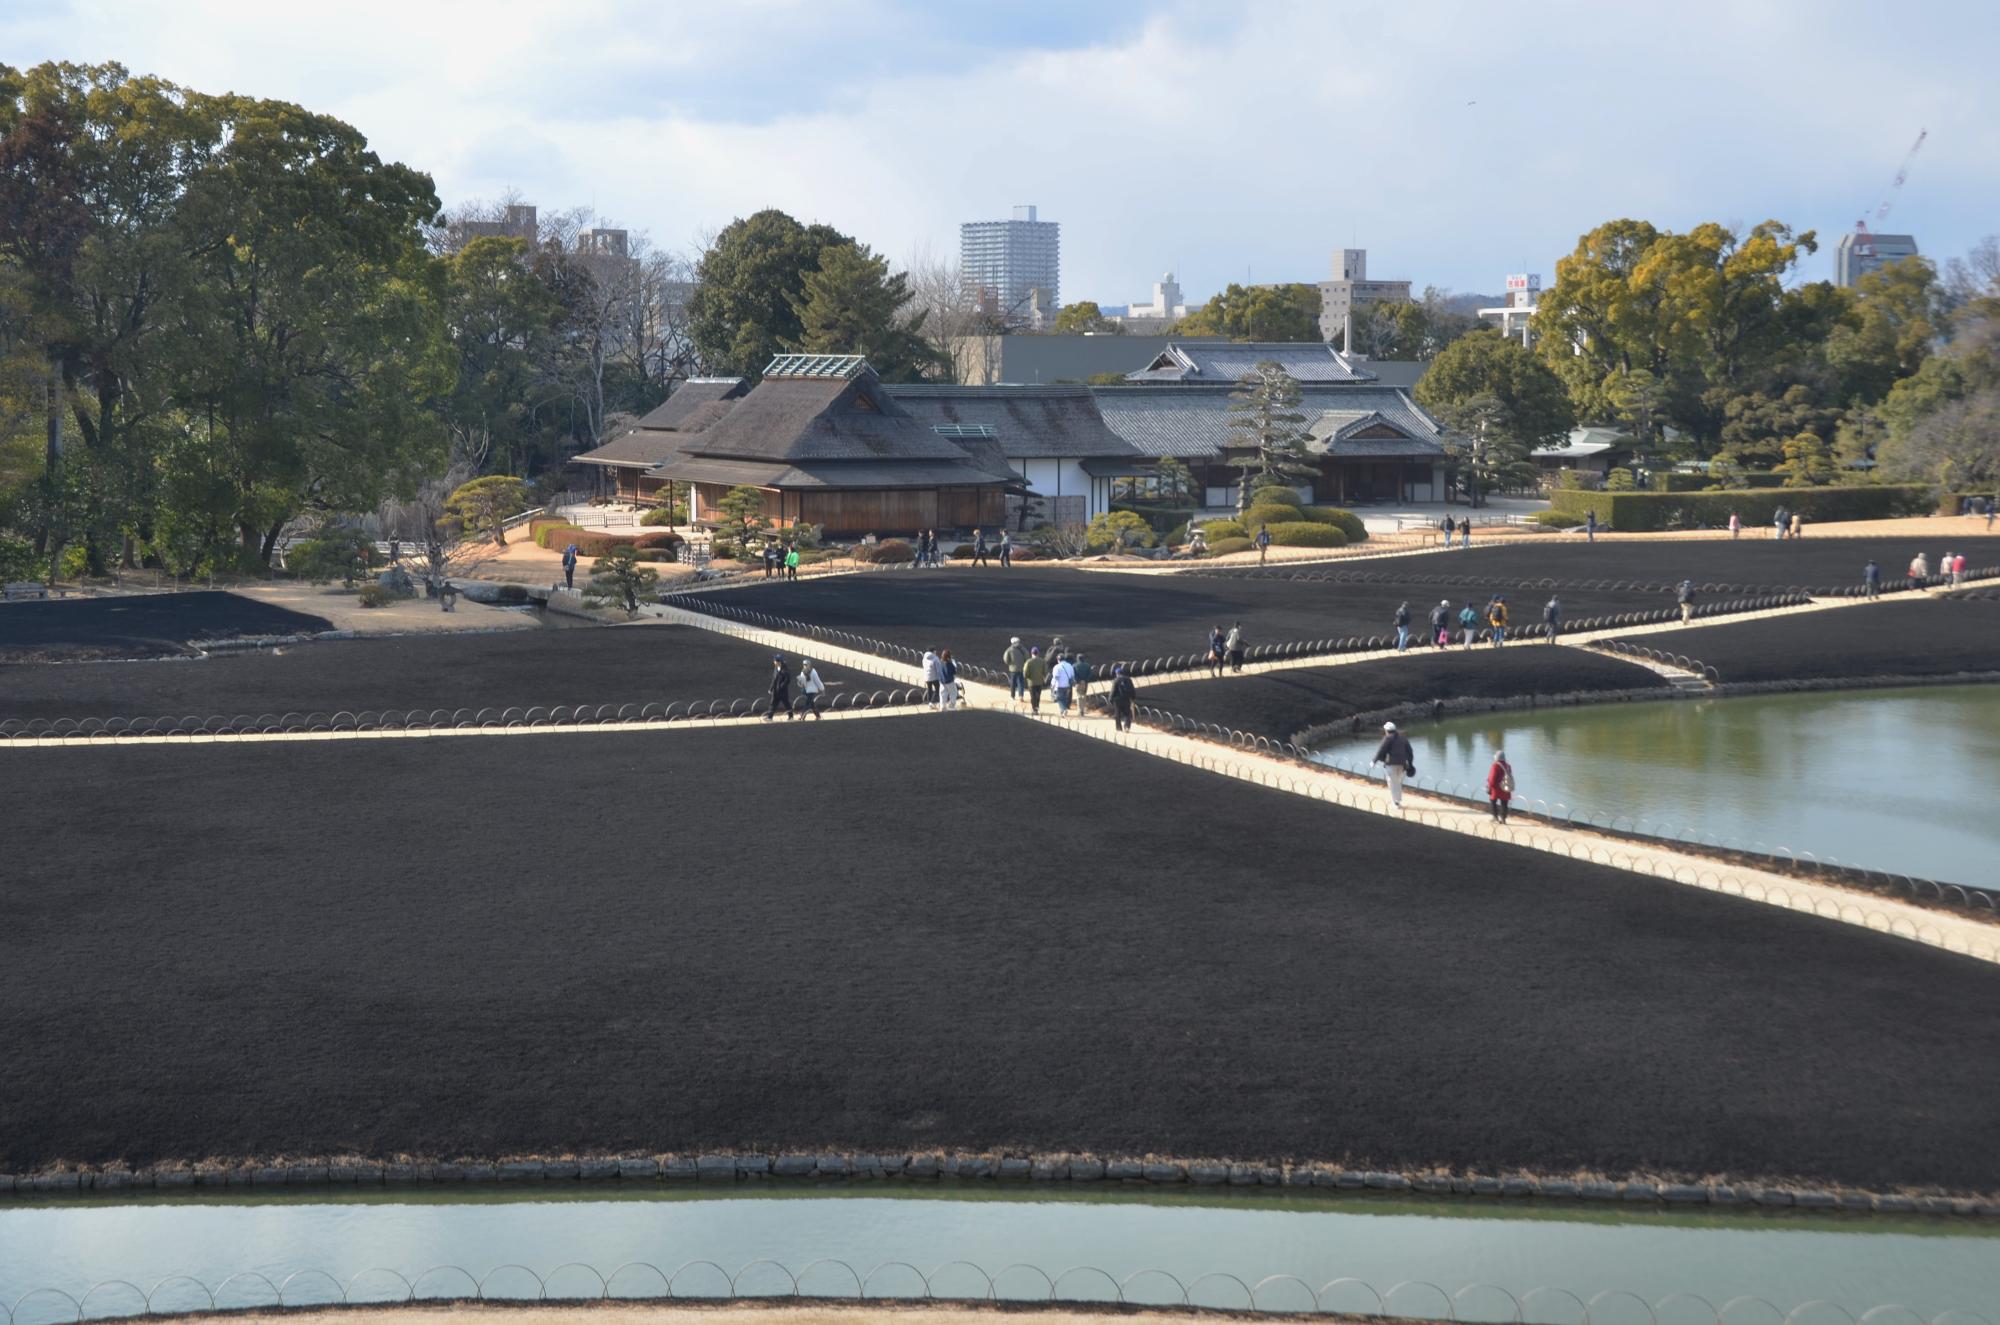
(792, 564)
(1036, 674)
(1014, 659)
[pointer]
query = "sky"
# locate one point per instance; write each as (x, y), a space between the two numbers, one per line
(1455, 140)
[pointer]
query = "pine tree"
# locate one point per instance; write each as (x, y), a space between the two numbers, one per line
(1266, 424)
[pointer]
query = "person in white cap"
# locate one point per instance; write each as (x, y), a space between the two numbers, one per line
(1015, 658)
(1398, 760)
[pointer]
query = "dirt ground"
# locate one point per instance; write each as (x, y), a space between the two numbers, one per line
(1938, 636)
(691, 1313)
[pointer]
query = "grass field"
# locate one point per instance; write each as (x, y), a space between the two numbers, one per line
(1940, 637)
(140, 626)
(1278, 704)
(917, 932)
(974, 612)
(651, 664)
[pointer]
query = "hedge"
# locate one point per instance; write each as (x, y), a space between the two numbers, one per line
(1162, 518)
(1215, 529)
(1271, 513)
(1346, 521)
(539, 527)
(888, 552)
(1305, 533)
(1641, 512)
(555, 536)
(1222, 547)
(1676, 481)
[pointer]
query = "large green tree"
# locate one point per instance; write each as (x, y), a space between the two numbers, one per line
(1486, 363)
(1257, 312)
(742, 312)
(505, 327)
(1085, 318)
(851, 304)
(1267, 431)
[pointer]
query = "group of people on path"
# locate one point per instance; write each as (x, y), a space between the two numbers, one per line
(808, 683)
(1068, 675)
(1463, 528)
(782, 562)
(1398, 761)
(931, 553)
(1467, 622)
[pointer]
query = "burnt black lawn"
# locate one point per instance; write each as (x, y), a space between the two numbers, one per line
(1281, 703)
(139, 626)
(1116, 617)
(643, 664)
(927, 931)
(1940, 637)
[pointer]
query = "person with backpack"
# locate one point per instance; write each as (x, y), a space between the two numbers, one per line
(1468, 621)
(1402, 623)
(1398, 761)
(1063, 679)
(810, 689)
(1014, 659)
(569, 567)
(947, 682)
(1441, 623)
(1552, 616)
(1036, 673)
(1685, 595)
(781, 690)
(1083, 679)
(1123, 695)
(1499, 786)
(1496, 617)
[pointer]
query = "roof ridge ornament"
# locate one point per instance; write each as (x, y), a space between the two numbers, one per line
(825, 367)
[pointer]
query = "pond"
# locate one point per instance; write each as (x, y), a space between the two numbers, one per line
(1897, 780)
(1431, 1246)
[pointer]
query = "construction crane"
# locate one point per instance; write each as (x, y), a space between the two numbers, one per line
(1864, 242)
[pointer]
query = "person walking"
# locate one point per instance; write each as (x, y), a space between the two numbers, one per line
(1235, 646)
(1450, 527)
(781, 690)
(1684, 595)
(1499, 786)
(1552, 616)
(1063, 679)
(947, 682)
(1036, 674)
(1779, 522)
(1218, 651)
(1084, 676)
(1465, 532)
(1871, 579)
(1590, 525)
(1402, 623)
(1014, 659)
(792, 565)
(1123, 695)
(1918, 572)
(979, 547)
(569, 567)
(1468, 621)
(1989, 515)
(1798, 524)
(1006, 549)
(933, 674)
(810, 689)
(1263, 543)
(1496, 617)
(1735, 525)
(1397, 759)
(1441, 623)
(1957, 569)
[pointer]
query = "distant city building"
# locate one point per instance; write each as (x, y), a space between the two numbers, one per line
(1012, 268)
(1513, 317)
(1155, 316)
(1349, 289)
(1860, 252)
(517, 222)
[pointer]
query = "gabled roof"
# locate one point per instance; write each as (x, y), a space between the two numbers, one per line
(1192, 422)
(694, 392)
(1025, 422)
(797, 419)
(641, 448)
(1230, 361)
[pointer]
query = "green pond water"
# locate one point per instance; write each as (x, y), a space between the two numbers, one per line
(1550, 1258)
(1898, 780)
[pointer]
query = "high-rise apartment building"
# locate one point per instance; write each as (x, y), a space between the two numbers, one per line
(1012, 268)
(1349, 288)
(1860, 252)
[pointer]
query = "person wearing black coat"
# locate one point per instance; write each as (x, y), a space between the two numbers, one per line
(781, 689)
(1123, 695)
(1397, 759)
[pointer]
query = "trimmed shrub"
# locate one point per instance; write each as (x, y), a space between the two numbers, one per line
(1304, 533)
(658, 540)
(1644, 512)
(1215, 529)
(1347, 522)
(1103, 531)
(543, 522)
(1271, 513)
(963, 552)
(376, 595)
(1161, 518)
(1024, 554)
(1555, 520)
(888, 552)
(1222, 547)
(658, 515)
(553, 534)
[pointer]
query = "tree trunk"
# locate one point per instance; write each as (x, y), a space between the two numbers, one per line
(50, 537)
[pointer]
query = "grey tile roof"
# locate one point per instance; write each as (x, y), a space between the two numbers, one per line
(640, 447)
(798, 419)
(1028, 422)
(1230, 361)
(1192, 422)
(829, 473)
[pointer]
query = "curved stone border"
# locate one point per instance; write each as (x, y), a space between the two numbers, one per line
(847, 1166)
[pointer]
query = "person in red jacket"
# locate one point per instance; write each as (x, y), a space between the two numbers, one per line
(1499, 786)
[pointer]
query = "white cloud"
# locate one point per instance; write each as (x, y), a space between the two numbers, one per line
(1253, 142)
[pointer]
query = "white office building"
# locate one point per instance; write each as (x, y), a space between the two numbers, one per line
(1524, 291)
(1012, 268)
